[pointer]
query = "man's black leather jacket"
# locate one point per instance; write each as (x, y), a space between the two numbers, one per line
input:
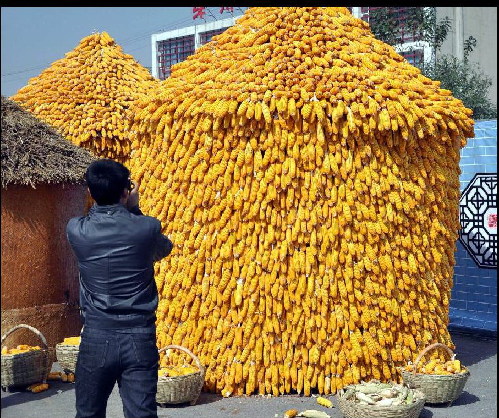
(116, 249)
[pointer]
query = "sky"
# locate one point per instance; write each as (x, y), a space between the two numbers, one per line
(34, 37)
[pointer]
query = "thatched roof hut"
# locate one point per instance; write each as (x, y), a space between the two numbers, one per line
(42, 188)
(33, 152)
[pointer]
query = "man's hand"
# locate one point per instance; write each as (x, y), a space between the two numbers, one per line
(133, 197)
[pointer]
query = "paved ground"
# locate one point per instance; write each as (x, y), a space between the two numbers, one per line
(479, 398)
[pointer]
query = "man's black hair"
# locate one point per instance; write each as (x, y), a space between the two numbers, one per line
(106, 180)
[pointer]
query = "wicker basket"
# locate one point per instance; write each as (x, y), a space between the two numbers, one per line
(67, 356)
(180, 389)
(351, 409)
(24, 369)
(437, 388)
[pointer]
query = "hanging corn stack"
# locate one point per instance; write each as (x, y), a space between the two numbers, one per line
(308, 176)
(86, 95)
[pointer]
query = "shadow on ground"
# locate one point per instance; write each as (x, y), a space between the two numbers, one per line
(471, 349)
(465, 398)
(426, 413)
(204, 398)
(21, 395)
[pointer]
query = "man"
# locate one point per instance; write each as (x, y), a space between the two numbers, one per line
(116, 246)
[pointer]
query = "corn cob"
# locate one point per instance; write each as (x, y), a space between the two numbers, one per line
(38, 387)
(324, 402)
(86, 95)
(21, 348)
(318, 231)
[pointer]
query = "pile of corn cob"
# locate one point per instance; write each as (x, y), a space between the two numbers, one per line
(438, 366)
(177, 370)
(62, 376)
(38, 387)
(72, 341)
(380, 394)
(308, 176)
(86, 95)
(21, 348)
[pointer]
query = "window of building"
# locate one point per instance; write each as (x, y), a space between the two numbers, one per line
(401, 14)
(415, 57)
(172, 51)
(205, 37)
(412, 48)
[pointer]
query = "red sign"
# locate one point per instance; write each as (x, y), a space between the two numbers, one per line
(198, 12)
(229, 9)
(492, 220)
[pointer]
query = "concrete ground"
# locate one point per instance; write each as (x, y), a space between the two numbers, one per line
(478, 400)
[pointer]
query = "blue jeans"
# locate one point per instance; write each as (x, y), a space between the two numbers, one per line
(107, 357)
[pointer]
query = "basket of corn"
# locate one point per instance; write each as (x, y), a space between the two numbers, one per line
(67, 353)
(441, 381)
(180, 383)
(24, 365)
(374, 399)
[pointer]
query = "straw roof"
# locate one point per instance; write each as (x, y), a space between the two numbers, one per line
(34, 153)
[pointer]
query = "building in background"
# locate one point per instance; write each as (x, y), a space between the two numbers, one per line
(481, 23)
(473, 303)
(413, 49)
(169, 48)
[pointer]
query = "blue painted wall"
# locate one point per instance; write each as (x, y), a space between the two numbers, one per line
(474, 295)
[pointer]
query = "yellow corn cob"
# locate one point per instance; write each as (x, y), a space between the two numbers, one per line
(54, 376)
(324, 402)
(86, 96)
(72, 341)
(305, 207)
(39, 387)
(21, 348)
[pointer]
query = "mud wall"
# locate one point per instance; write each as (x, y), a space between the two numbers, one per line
(39, 275)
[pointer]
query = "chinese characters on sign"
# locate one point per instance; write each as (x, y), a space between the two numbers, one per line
(201, 11)
(198, 12)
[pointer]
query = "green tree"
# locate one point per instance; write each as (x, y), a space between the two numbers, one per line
(467, 83)
(465, 79)
(385, 26)
(420, 22)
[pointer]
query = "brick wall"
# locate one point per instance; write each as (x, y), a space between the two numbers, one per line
(474, 295)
